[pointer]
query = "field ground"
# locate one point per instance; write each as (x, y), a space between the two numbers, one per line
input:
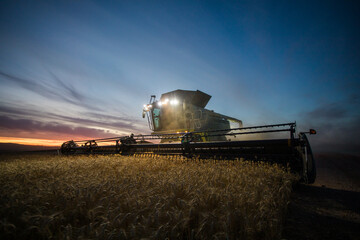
(330, 208)
(116, 197)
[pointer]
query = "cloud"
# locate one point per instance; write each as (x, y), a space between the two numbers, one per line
(15, 111)
(89, 119)
(111, 122)
(63, 93)
(337, 127)
(68, 89)
(338, 137)
(24, 127)
(328, 112)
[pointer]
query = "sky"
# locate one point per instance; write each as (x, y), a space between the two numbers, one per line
(84, 69)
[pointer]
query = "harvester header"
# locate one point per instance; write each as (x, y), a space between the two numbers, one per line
(183, 126)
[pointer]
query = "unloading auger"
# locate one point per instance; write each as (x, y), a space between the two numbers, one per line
(182, 126)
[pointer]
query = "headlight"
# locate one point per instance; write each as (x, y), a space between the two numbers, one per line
(174, 102)
(147, 107)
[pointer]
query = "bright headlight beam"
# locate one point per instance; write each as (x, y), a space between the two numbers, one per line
(174, 102)
(147, 107)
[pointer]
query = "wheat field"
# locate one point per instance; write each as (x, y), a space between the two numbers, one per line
(140, 197)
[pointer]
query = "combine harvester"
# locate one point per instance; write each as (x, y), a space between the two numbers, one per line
(182, 126)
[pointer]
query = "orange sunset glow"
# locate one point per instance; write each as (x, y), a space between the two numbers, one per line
(32, 141)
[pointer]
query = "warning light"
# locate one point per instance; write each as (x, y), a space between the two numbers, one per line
(312, 131)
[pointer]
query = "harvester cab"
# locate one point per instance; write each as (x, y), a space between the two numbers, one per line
(184, 111)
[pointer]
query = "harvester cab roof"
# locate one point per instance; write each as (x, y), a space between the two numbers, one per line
(196, 98)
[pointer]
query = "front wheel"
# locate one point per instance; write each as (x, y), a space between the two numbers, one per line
(308, 161)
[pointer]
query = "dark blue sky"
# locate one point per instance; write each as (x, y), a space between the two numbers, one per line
(72, 69)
